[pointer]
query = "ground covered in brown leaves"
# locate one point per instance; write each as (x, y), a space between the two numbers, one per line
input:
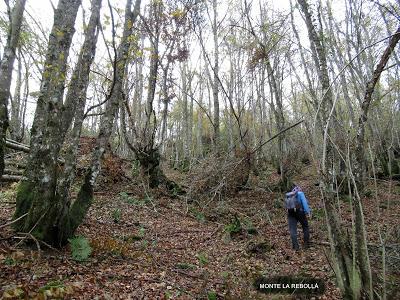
(146, 245)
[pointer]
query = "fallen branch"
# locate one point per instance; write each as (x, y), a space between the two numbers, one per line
(324, 243)
(13, 172)
(29, 236)
(18, 143)
(11, 178)
(187, 274)
(22, 147)
(13, 221)
(275, 136)
(15, 163)
(17, 146)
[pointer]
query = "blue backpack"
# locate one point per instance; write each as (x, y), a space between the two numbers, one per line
(292, 203)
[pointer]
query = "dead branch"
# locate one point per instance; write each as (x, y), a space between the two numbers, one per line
(275, 136)
(217, 176)
(17, 146)
(12, 178)
(29, 236)
(13, 221)
(13, 172)
(187, 274)
(22, 147)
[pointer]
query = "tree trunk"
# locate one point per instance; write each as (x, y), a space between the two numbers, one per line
(6, 69)
(347, 273)
(85, 196)
(166, 99)
(144, 146)
(75, 101)
(277, 108)
(50, 218)
(15, 121)
(185, 115)
(199, 135)
(360, 165)
(24, 103)
(215, 85)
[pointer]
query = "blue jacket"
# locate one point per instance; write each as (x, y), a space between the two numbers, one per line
(303, 200)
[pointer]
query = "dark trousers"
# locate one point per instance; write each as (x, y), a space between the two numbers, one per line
(293, 218)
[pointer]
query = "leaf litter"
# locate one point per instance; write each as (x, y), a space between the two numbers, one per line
(169, 252)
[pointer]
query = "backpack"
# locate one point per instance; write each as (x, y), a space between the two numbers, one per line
(292, 203)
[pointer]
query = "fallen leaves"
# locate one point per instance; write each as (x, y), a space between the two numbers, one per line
(51, 290)
(169, 254)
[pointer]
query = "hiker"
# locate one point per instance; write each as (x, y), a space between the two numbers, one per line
(297, 207)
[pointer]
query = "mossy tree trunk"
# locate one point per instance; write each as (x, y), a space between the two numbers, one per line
(36, 196)
(15, 120)
(150, 167)
(346, 269)
(51, 216)
(48, 211)
(151, 170)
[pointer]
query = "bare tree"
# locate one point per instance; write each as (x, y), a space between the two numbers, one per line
(50, 216)
(6, 69)
(215, 84)
(144, 145)
(346, 272)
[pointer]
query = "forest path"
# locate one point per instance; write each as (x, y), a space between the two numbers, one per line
(160, 248)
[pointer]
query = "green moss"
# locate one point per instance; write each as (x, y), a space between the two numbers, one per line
(45, 220)
(44, 216)
(79, 208)
(2, 146)
(355, 284)
(50, 218)
(318, 213)
(25, 197)
(184, 165)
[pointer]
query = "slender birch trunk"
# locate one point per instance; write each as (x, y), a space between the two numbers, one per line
(6, 69)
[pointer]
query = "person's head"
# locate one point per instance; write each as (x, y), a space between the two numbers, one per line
(296, 189)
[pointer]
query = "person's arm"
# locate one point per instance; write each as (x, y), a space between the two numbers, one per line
(289, 194)
(304, 202)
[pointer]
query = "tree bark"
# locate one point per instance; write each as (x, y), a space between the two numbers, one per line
(345, 271)
(36, 195)
(48, 210)
(12, 178)
(360, 165)
(84, 199)
(185, 116)
(17, 146)
(6, 69)
(215, 85)
(75, 101)
(15, 121)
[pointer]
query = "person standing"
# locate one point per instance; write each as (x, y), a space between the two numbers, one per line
(298, 210)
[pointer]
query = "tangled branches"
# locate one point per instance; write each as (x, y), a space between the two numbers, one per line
(219, 175)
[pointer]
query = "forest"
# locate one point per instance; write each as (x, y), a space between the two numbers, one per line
(169, 149)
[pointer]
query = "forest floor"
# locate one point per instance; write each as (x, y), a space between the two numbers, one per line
(157, 247)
